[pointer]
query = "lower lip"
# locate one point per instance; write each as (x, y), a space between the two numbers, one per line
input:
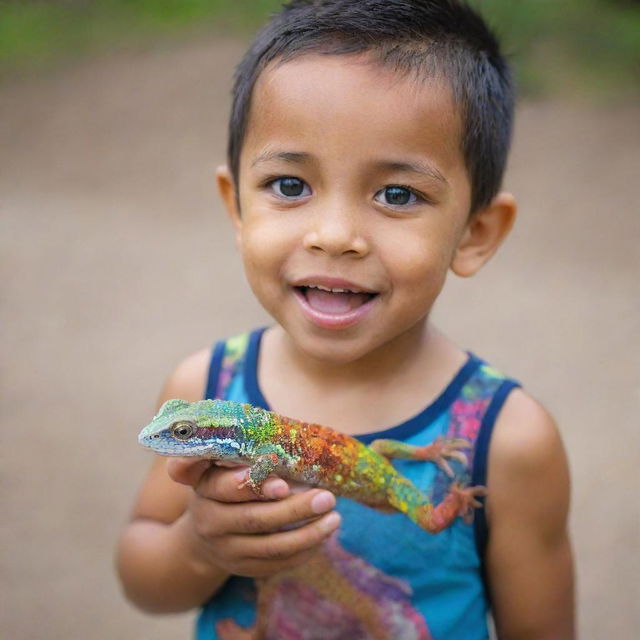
(333, 320)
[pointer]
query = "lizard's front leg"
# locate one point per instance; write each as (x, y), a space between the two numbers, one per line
(263, 466)
(437, 452)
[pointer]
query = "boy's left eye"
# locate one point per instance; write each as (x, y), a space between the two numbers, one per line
(396, 196)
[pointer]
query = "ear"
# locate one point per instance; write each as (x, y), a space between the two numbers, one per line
(228, 193)
(484, 233)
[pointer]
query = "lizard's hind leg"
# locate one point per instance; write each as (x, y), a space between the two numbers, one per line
(459, 501)
(438, 452)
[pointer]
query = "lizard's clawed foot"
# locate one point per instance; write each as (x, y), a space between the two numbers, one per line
(460, 501)
(439, 452)
(254, 483)
(467, 498)
(259, 472)
(445, 449)
(250, 482)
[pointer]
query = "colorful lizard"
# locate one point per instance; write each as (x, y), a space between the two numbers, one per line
(309, 454)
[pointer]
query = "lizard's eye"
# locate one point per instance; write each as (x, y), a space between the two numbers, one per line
(182, 430)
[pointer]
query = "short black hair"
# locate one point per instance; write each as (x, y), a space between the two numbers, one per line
(423, 37)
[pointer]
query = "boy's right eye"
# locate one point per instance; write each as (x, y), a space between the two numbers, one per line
(290, 188)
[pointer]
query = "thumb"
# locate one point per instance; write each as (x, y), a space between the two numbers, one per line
(188, 471)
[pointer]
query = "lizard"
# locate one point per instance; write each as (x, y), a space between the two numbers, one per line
(311, 454)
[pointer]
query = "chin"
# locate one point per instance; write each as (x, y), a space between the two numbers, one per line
(335, 348)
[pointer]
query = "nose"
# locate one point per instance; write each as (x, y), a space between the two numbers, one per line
(337, 232)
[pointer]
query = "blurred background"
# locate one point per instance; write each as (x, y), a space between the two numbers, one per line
(117, 261)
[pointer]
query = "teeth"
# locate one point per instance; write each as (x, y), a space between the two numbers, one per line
(317, 286)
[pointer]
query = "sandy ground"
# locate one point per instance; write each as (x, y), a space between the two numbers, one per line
(117, 261)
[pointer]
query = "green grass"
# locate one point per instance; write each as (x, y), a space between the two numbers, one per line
(557, 45)
(560, 45)
(38, 34)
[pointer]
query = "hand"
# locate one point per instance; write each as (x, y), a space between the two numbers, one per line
(247, 535)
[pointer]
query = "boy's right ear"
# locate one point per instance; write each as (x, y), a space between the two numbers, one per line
(227, 190)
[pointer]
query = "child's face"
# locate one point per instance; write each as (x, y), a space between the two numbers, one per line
(351, 178)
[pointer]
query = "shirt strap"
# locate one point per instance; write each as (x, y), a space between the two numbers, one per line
(480, 468)
(226, 362)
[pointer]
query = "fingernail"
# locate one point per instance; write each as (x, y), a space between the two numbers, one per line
(331, 522)
(322, 501)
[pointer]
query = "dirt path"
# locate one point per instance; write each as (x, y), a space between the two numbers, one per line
(117, 261)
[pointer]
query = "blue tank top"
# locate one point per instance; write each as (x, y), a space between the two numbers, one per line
(381, 576)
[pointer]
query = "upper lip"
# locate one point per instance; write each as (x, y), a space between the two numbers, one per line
(330, 283)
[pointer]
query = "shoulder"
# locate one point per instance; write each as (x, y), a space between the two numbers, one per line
(528, 470)
(525, 434)
(187, 381)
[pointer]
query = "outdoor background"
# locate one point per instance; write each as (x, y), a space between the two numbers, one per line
(117, 261)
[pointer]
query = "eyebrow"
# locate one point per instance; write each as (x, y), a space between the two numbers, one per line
(288, 156)
(299, 157)
(419, 167)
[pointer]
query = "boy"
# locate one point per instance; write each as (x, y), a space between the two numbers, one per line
(367, 145)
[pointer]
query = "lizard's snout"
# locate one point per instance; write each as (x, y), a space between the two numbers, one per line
(147, 439)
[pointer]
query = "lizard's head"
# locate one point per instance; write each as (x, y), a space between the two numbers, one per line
(206, 428)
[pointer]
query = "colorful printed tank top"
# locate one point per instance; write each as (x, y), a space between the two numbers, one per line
(380, 577)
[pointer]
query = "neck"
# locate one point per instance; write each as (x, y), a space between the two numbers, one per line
(384, 388)
(387, 362)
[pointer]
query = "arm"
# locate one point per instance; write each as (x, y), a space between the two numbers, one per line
(159, 560)
(157, 549)
(192, 527)
(529, 559)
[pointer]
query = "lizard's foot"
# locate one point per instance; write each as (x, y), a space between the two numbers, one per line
(256, 475)
(443, 450)
(460, 501)
(438, 452)
(467, 499)
(250, 482)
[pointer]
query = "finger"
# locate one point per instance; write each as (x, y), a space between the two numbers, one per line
(264, 517)
(284, 545)
(226, 485)
(188, 471)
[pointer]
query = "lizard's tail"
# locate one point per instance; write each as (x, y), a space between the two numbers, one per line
(459, 501)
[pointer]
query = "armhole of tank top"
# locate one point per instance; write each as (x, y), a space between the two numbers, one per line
(479, 475)
(214, 370)
(251, 384)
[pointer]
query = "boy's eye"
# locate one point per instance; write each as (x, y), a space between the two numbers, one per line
(396, 196)
(290, 187)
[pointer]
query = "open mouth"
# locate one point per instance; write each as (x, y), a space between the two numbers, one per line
(334, 301)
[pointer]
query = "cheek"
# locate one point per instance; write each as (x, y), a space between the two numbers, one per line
(263, 250)
(416, 262)
(421, 282)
